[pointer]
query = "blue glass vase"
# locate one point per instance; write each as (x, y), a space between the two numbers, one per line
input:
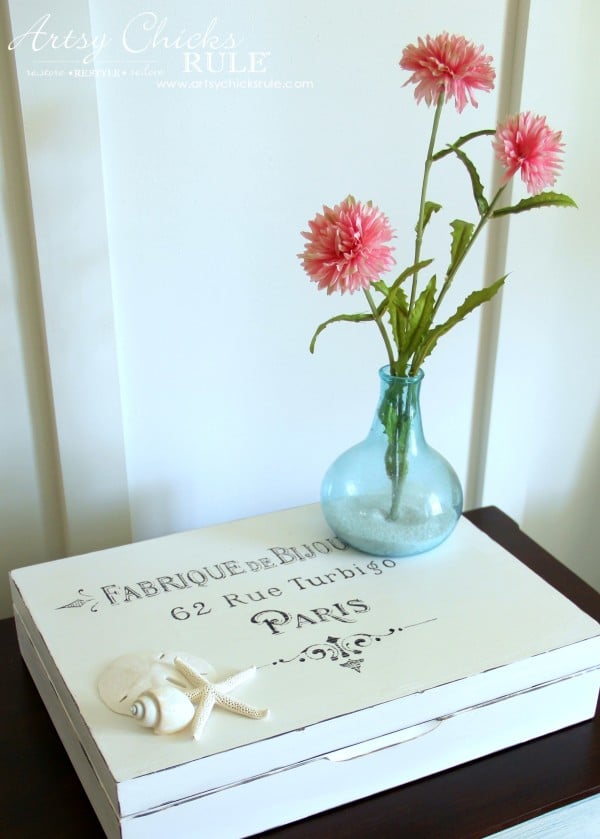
(392, 494)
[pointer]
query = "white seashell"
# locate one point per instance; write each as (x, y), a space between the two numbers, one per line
(164, 709)
(146, 711)
(129, 676)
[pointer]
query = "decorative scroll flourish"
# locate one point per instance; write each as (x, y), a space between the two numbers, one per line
(83, 600)
(345, 651)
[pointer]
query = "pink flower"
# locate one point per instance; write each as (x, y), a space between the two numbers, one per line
(346, 248)
(448, 63)
(525, 142)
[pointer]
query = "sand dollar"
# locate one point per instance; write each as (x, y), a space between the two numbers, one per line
(126, 678)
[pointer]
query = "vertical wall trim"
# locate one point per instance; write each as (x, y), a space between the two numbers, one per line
(62, 143)
(509, 101)
(29, 306)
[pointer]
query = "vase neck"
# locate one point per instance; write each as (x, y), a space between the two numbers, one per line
(399, 399)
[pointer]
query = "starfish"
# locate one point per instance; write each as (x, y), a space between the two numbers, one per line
(205, 695)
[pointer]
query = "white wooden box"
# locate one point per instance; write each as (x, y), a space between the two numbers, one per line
(376, 671)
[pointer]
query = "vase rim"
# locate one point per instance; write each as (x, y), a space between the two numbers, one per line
(385, 374)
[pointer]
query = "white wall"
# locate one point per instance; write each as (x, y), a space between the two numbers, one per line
(174, 317)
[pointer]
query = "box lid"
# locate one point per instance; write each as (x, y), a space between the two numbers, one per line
(348, 647)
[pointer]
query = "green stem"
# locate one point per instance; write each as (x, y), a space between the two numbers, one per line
(381, 327)
(400, 443)
(421, 219)
(417, 359)
(453, 270)
(397, 414)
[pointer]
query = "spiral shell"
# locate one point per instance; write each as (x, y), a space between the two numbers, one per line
(165, 709)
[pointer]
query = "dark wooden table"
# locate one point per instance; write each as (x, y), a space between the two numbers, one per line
(41, 795)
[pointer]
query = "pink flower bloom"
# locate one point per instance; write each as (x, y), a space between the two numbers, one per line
(448, 63)
(525, 142)
(346, 248)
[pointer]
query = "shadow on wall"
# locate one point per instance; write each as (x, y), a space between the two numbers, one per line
(550, 524)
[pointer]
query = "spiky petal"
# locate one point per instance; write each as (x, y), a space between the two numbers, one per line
(525, 143)
(448, 63)
(347, 246)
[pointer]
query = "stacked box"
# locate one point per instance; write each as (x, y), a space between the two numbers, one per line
(375, 671)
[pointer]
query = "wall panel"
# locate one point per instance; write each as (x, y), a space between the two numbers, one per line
(207, 190)
(60, 126)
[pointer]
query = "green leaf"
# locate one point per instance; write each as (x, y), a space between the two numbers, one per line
(475, 299)
(408, 272)
(381, 287)
(397, 303)
(357, 318)
(428, 210)
(387, 293)
(420, 317)
(394, 413)
(542, 199)
(462, 232)
(489, 132)
(398, 300)
(477, 186)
